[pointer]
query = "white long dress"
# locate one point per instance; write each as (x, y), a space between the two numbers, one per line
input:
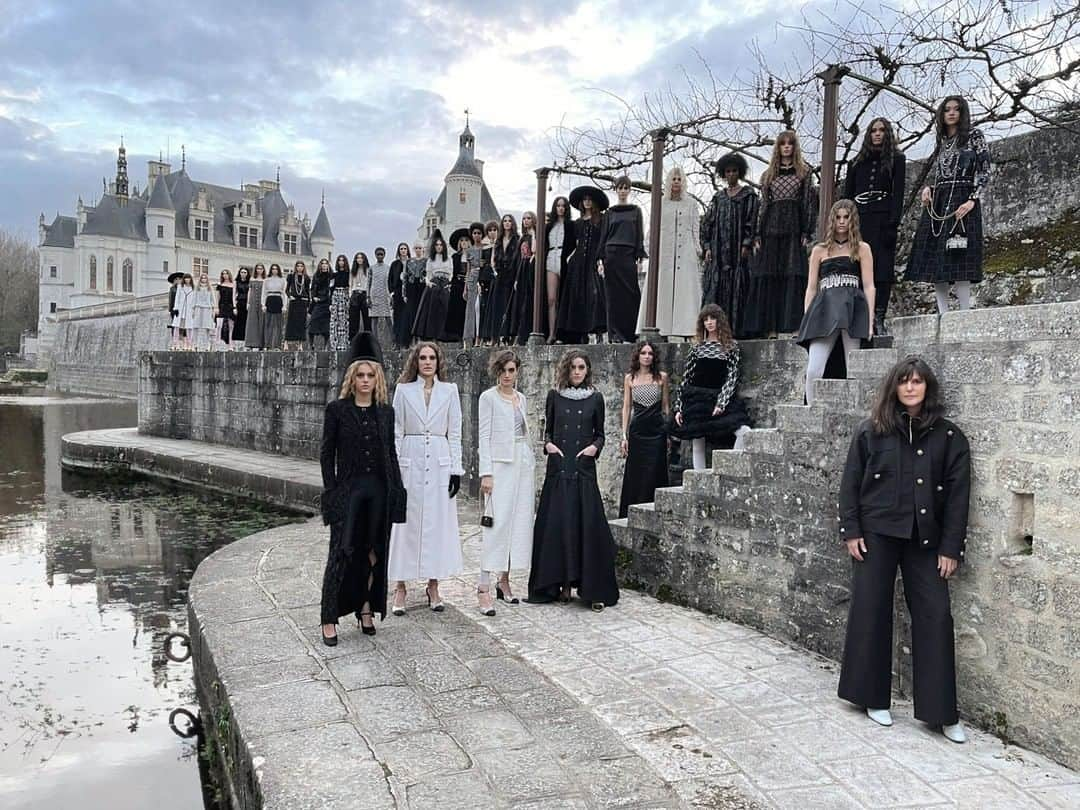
(509, 459)
(678, 297)
(428, 437)
(185, 308)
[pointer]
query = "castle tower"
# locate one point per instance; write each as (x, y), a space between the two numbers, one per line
(322, 238)
(121, 183)
(161, 232)
(464, 185)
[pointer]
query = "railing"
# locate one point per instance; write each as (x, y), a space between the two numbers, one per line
(122, 307)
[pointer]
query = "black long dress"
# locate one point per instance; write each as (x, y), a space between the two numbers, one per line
(709, 382)
(412, 286)
(622, 244)
(226, 311)
(778, 271)
(576, 317)
(959, 174)
(319, 320)
(572, 542)
(646, 455)
(455, 315)
(434, 304)
(485, 282)
(240, 326)
(521, 305)
(298, 291)
(363, 494)
(397, 300)
(495, 325)
(727, 232)
(878, 192)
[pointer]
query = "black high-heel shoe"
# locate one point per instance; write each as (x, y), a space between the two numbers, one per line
(329, 641)
(513, 600)
(367, 631)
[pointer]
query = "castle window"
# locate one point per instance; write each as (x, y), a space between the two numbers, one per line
(462, 196)
(127, 276)
(109, 274)
(249, 237)
(199, 266)
(165, 267)
(160, 231)
(202, 230)
(247, 209)
(52, 271)
(52, 306)
(93, 272)
(289, 243)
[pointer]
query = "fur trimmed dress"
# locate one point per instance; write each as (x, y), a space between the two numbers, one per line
(709, 382)
(572, 542)
(678, 265)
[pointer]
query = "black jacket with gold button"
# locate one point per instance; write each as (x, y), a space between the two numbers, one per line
(918, 474)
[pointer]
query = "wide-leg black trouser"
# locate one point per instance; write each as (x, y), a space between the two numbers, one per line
(866, 673)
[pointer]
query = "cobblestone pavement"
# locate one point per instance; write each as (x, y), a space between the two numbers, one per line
(645, 705)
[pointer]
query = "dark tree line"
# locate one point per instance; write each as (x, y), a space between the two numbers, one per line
(18, 289)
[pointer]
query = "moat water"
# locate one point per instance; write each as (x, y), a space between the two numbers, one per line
(93, 577)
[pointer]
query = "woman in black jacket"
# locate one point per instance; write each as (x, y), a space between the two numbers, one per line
(362, 492)
(322, 285)
(875, 182)
(904, 503)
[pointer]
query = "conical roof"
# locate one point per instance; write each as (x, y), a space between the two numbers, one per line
(160, 196)
(322, 226)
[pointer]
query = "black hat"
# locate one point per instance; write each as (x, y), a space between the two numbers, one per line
(457, 236)
(732, 159)
(599, 197)
(174, 276)
(365, 347)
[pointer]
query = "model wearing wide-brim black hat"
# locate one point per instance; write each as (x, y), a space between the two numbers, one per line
(600, 199)
(457, 236)
(733, 159)
(174, 276)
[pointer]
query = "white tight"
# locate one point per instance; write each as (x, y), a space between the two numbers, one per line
(820, 349)
(698, 446)
(963, 295)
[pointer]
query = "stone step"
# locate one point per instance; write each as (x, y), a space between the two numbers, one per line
(643, 516)
(870, 364)
(732, 463)
(764, 442)
(703, 483)
(843, 396)
(800, 418)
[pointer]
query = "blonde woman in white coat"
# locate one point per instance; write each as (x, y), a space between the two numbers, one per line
(427, 432)
(507, 482)
(678, 264)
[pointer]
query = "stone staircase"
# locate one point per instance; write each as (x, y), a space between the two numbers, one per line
(754, 537)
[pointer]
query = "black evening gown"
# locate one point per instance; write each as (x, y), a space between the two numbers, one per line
(622, 244)
(572, 542)
(240, 326)
(646, 457)
(455, 315)
(495, 324)
(397, 300)
(298, 291)
(521, 306)
(412, 285)
(485, 282)
(319, 319)
(359, 471)
(434, 305)
(576, 317)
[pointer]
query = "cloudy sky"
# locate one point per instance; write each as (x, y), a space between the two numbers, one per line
(364, 99)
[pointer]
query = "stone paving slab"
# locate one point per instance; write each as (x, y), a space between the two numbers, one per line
(644, 705)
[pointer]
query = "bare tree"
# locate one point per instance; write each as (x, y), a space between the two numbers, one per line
(18, 288)
(1016, 61)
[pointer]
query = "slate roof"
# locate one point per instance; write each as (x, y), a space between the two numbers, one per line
(61, 233)
(160, 197)
(110, 218)
(322, 226)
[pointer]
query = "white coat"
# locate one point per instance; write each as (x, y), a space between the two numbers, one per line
(678, 296)
(184, 304)
(428, 438)
(512, 465)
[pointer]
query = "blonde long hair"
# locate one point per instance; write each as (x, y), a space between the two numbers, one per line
(379, 395)
(797, 160)
(854, 236)
(673, 172)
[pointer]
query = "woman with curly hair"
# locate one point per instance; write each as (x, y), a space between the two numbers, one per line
(706, 406)
(572, 542)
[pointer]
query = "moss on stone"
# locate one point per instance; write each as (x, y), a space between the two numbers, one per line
(1046, 246)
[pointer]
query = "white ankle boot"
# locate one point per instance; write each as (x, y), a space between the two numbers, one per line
(880, 716)
(955, 732)
(740, 437)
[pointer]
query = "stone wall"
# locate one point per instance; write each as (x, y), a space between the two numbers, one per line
(273, 401)
(756, 540)
(96, 351)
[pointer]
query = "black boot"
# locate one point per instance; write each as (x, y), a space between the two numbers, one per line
(880, 330)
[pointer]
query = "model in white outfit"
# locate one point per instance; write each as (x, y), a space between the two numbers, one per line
(427, 430)
(507, 480)
(184, 320)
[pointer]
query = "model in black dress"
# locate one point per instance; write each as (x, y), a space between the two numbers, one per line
(397, 292)
(243, 286)
(572, 542)
(727, 237)
(948, 246)
(904, 500)
(521, 305)
(785, 227)
(226, 308)
(362, 493)
(706, 406)
(319, 318)
(486, 279)
(646, 402)
(621, 249)
(578, 287)
(434, 304)
(412, 286)
(455, 316)
(298, 291)
(496, 326)
(875, 181)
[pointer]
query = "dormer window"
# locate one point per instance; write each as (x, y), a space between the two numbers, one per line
(202, 230)
(248, 237)
(288, 244)
(247, 209)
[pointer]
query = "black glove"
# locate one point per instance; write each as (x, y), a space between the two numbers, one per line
(455, 485)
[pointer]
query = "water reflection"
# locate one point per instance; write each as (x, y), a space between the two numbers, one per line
(93, 576)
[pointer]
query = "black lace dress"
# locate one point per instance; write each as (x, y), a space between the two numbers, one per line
(710, 380)
(572, 542)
